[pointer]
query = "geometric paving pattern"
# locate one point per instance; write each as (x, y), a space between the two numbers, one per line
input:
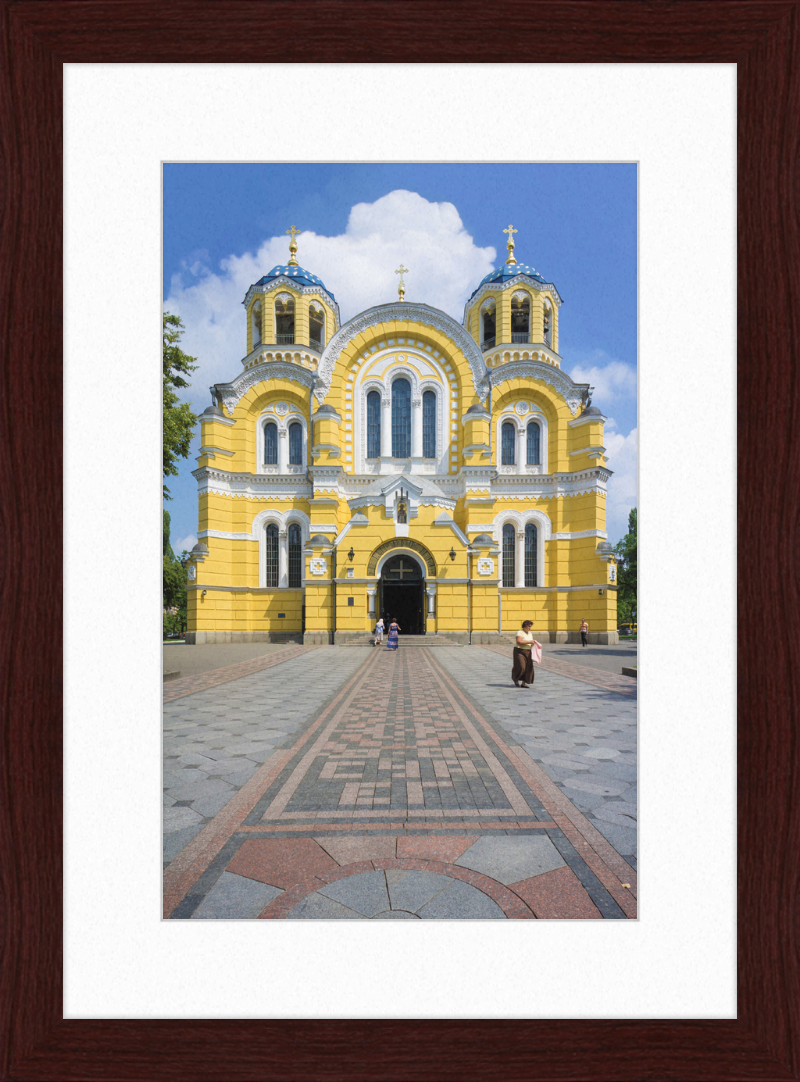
(387, 789)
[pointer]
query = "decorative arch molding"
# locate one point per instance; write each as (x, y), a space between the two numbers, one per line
(231, 394)
(403, 552)
(407, 543)
(574, 394)
(519, 520)
(282, 519)
(415, 313)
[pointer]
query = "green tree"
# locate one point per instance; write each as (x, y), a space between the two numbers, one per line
(179, 421)
(174, 587)
(625, 552)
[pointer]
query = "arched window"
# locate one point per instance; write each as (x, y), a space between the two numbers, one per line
(509, 555)
(534, 449)
(429, 425)
(284, 320)
(531, 537)
(258, 324)
(295, 444)
(295, 555)
(520, 317)
(270, 444)
(488, 325)
(548, 325)
(316, 326)
(373, 425)
(401, 418)
(271, 578)
(509, 438)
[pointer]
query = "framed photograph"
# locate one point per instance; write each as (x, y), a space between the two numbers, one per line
(40, 1042)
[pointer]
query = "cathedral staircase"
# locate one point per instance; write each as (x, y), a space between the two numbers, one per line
(407, 640)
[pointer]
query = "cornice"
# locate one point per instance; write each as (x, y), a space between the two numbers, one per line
(232, 393)
(574, 394)
(415, 313)
(251, 486)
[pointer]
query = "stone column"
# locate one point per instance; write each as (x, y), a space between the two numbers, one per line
(371, 592)
(283, 557)
(416, 428)
(386, 427)
(520, 561)
(283, 449)
(522, 449)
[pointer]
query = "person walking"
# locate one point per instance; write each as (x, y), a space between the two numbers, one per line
(392, 640)
(378, 632)
(584, 633)
(522, 670)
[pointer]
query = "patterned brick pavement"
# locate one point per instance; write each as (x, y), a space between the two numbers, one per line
(189, 685)
(400, 798)
(622, 685)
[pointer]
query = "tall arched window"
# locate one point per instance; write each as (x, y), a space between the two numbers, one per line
(548, 325)
(258, 325)
(509, 555)
(270, 444)
(520, 317)
(271, 578)
(401, 418)
(534, 439)
(295, 444)
(488, 325)
(316, 326)
(373, 425)
(295, 556)
(429, 425)
(284, 320)
(531, 537)
(509, 444)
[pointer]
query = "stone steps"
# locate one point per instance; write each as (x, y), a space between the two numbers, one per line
(408, 640)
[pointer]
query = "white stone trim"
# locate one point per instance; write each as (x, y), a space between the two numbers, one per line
(213, 451)
(251, 486)
(232, 393)
(400, 551)
(586, 419)
(282, 419)
(578, 534)
(519, 520)
(574, 394)
(285, 281)
(446, 520)
(593, 452)
(226, 536)
(406, 311)
(282, 519)
(521, 467)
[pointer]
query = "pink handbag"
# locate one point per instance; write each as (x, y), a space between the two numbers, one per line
(536, 652)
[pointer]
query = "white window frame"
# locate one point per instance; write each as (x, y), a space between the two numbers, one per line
(519, 520)
(282, 421)
(521, 451)
(283, 520)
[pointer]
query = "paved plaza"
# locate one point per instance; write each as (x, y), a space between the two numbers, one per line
(343, 783)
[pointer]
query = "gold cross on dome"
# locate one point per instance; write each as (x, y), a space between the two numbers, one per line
(510, 245)
(401, 270)
(294, 231)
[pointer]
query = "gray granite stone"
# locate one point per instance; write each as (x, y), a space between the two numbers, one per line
(509, 859)
(411, 890)
(318, 907)
(179, 818)
(461, 901)
(365, 892)
(179, 839)
(234, 897)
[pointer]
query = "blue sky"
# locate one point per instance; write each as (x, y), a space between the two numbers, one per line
(224, 226)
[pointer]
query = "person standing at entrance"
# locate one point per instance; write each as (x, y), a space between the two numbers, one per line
(379, 631)
(392, 641)
(584, 633)
(522, 670)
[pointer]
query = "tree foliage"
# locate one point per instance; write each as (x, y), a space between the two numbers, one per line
(625, 552)
(179, 421)
(174, 585)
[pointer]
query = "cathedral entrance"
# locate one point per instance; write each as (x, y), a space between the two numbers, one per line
(402, 594)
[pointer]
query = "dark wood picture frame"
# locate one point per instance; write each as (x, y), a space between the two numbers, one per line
(761, 37)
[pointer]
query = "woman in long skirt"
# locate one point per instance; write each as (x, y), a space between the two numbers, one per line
(391, 642)
(522, 670)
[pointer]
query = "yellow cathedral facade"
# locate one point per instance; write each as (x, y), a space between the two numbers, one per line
(450, 475)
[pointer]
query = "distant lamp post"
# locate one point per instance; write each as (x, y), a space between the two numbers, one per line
(452, 554)
(351, 555)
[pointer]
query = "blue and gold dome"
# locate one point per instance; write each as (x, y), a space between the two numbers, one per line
(295, 274)
(509, 270)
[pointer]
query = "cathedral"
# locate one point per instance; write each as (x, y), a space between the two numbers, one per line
(449, 475)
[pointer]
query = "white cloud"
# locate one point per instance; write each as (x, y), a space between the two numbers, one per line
(622, 456)
(613, 381)
(358, 266)
(187, 543)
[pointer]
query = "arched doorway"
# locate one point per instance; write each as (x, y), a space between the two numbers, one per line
(402, 594)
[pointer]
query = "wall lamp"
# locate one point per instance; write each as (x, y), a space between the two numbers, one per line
(351, 554)
(600, 592)
(452, 554)
(204, 593)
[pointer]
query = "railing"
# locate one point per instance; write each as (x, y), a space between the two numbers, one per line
(316, 344)
(520, 337)
(487, 343)
(284, 339)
